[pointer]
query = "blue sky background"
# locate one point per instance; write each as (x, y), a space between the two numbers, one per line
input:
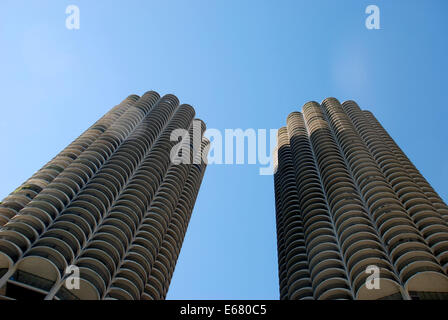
(241, 64)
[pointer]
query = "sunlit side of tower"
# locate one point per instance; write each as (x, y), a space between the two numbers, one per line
(348, 198)
(112, 204)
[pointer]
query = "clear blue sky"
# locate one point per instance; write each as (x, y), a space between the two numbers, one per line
(241, 64)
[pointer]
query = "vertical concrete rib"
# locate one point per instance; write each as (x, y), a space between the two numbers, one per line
(108, 213)
(328, 274)
(18, 199)
(294, 273)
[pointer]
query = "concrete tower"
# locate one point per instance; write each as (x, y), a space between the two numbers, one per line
(352, 207)
(111, 207)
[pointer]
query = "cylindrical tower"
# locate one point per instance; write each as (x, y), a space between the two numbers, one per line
(364, 208)
(109, 213)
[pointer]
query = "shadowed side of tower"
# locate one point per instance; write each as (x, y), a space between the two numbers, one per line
(352, 201)
(112, 204)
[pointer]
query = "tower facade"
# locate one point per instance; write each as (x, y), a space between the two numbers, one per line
(106, 217)
(355, 218)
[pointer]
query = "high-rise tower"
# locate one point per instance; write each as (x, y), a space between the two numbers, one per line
(352, 207)
(111, 207)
